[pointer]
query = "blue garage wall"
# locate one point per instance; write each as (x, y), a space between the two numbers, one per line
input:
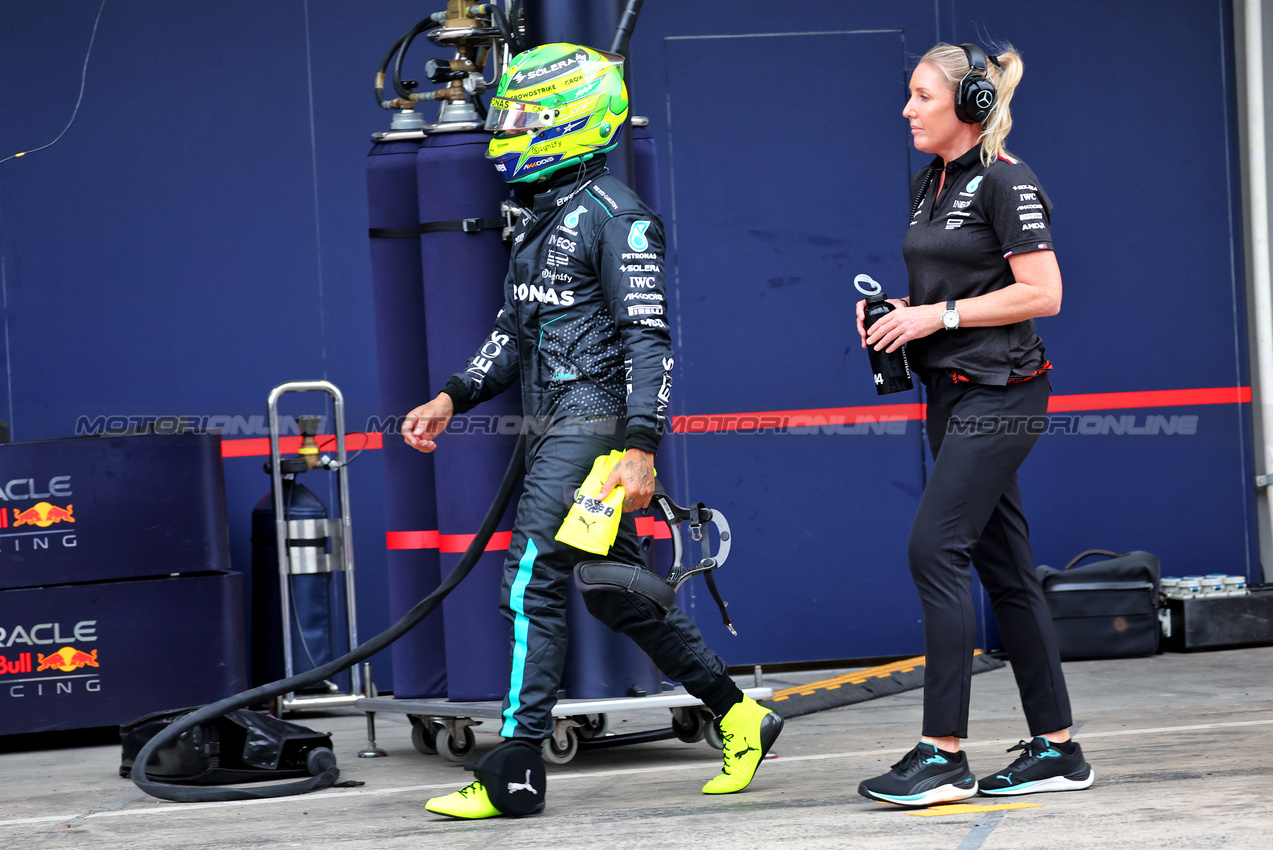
(786, 159)
(199, 236)
(764, 268)
(1148, 233)
(1153, 291)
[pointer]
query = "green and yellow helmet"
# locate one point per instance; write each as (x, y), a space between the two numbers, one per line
(556, 105)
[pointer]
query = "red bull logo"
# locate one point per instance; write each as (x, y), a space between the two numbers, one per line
(42, 514)
(67, 659)
(22, 664)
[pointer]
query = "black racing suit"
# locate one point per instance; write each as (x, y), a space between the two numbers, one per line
(584, 323)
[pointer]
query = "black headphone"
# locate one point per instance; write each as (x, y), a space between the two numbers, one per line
(975, 96)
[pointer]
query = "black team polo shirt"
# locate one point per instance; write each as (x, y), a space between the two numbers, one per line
(958, 247)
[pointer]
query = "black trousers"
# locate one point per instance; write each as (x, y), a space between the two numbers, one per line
(536, 576)
(971, 512)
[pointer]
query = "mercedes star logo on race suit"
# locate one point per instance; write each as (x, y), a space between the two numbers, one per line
(984, 99)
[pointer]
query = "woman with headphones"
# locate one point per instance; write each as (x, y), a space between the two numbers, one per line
(981, 266)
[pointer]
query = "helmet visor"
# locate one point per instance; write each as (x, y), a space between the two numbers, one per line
(506, 116)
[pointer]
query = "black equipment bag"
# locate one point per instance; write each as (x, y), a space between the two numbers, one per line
(242, 746)
(1105, 609)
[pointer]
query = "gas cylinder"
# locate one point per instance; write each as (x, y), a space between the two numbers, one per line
(316, 596)
(418, 658)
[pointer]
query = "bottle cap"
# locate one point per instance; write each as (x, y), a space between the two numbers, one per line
(866, 285)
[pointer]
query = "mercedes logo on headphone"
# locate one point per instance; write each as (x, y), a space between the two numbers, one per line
(985, 99)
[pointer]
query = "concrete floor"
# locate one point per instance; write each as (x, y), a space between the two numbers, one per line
(1180, 744)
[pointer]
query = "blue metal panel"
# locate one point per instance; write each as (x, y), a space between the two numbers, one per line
(128, 648)
(1178, 495)
(768, 235)
(199, 235)
(121, 508)
(1140, 161)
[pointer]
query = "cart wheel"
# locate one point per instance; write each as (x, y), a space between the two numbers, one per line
(554, 755)
(688, 726)
(711, 732)
(424, 735)
(452, 750)
(591, 726)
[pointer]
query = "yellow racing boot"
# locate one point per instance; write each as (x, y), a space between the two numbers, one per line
(748, 730)
(470, 802)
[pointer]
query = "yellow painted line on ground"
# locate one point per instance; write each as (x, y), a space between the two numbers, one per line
(857, 678)
(967, 809)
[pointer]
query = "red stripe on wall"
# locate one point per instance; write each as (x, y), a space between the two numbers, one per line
(411, 539)
(1150, 398)
(712, 423)
(260, 446)
(451, 543)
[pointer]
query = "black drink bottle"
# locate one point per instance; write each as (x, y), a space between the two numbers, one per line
(892, 371)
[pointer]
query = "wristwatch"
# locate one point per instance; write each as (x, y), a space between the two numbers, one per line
(951, 317)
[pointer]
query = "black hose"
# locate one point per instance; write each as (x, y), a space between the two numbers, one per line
(623, 33)
(183, 794)
(515, 15)
(502, 23)
(392, 52)
(505, 29)
(380, 73)
(426, 24)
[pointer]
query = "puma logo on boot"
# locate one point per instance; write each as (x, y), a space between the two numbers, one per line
(522, 786)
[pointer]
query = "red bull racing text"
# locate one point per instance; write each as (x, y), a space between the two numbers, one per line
(27, 671)
(20, 525)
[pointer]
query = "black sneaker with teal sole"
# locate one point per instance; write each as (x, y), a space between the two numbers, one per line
(1042, 767)
(925, 776)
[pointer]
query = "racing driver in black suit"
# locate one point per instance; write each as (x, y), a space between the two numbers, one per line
(585, 326)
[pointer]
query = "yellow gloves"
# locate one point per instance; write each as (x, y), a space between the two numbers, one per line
(592, 524)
